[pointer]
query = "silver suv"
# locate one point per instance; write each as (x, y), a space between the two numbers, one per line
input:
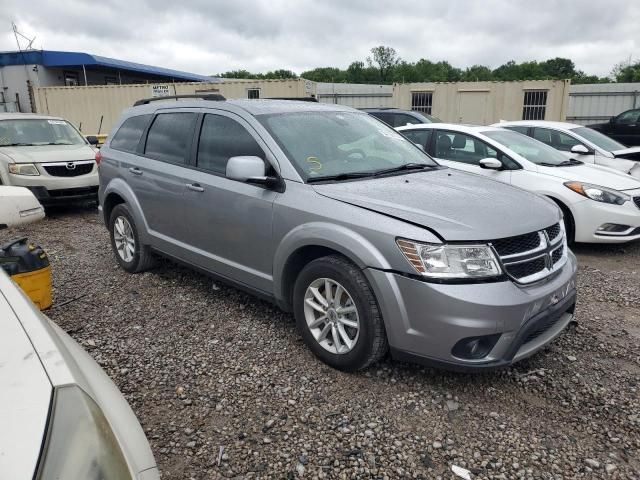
(333, 215)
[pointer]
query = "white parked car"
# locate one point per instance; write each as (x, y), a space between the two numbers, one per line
(61, 417)
(48, 156)
(580, 142)
(600, 205)
(18, 206)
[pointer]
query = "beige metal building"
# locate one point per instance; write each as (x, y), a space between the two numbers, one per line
(94, 109)
(483, 103)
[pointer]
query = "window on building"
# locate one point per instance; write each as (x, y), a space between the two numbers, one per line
(422, 101)
(71, 79)
(535, 105)
(222, 138)
(169, 137)
(253, 93)
(128, 135)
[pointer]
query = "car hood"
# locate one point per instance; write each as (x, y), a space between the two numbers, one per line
(48, 153)
(595, 174)
(455, 205)
(631, 153)
(25, 395)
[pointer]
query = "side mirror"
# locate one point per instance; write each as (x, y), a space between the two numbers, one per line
(580, 149)
(490, 163)
(92, 139)
(251, 170)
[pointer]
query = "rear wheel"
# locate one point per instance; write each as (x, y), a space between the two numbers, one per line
(337, 314)
(132, 255)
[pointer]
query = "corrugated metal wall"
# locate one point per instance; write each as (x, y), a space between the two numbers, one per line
(94, 109)
(355, 95)
(484, 102)
(596, 103)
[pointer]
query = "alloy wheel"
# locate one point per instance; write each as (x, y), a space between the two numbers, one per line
(331, 316)
(124, 239)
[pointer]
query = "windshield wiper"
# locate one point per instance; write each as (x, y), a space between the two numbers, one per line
(56, 143)
(17, 144)
(406, 166)
(570, 162)
(341, 176)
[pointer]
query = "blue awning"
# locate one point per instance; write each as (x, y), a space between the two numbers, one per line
(50, 58)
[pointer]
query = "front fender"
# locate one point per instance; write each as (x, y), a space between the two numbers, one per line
(322, 234)
(119, 187)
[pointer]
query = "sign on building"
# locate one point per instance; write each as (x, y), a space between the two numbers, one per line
(160, 90)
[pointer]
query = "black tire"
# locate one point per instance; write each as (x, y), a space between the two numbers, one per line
(142, 259)
(371, 345)
(569, 225)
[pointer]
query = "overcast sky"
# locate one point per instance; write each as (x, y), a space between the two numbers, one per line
(212, 36)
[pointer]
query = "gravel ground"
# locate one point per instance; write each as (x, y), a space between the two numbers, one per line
(224, 387)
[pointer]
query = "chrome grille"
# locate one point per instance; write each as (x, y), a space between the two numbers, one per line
(513, 245)
(531, 257)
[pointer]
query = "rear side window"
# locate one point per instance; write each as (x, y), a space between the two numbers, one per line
(128, 135)
(169, 137)
(222, 138)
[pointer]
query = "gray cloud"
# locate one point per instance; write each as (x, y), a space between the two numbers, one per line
(212, 36)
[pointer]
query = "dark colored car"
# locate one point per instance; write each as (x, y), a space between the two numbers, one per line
(624, 128)
(396, 117)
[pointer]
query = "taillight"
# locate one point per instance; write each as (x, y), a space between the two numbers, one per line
(98, 157)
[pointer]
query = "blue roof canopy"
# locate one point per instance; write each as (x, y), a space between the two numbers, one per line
(51, 58)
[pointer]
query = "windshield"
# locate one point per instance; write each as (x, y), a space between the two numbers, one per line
(532, 150)
(38, 132)
(598, 139)
(328, 144)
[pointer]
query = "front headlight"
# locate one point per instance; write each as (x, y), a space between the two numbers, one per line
(23, 169)
(597, 193)
(80, 442)
(451, 261)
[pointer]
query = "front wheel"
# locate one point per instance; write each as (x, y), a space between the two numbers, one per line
(337, 314)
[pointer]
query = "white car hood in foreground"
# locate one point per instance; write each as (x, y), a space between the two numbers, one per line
(48, 153)
(594, 174)
(18, 206)
(25, 395)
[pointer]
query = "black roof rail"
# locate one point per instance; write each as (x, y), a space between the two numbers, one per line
(298, 99)
(215, 97)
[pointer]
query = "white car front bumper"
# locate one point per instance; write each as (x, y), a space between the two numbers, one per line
(590, 217)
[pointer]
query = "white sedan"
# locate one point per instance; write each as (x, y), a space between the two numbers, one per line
(600, 205)
(18, 206)
(61, 417)
(580, 142)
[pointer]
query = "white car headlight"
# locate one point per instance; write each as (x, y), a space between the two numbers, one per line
(598, 193)
(23, 169)
(451, 261)
(80, 442)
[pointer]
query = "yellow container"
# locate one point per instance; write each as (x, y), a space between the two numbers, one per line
(37, 286)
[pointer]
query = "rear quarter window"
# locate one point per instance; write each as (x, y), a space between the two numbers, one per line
(128, 135)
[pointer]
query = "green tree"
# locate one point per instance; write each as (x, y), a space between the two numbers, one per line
(477, 73)
(325, 74)
(385, 58)
(626, 72)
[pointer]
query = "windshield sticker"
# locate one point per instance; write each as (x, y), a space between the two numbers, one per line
(316, 164)
(57, 122)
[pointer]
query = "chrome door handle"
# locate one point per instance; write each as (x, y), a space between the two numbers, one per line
(135, 171)
(195, 187)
